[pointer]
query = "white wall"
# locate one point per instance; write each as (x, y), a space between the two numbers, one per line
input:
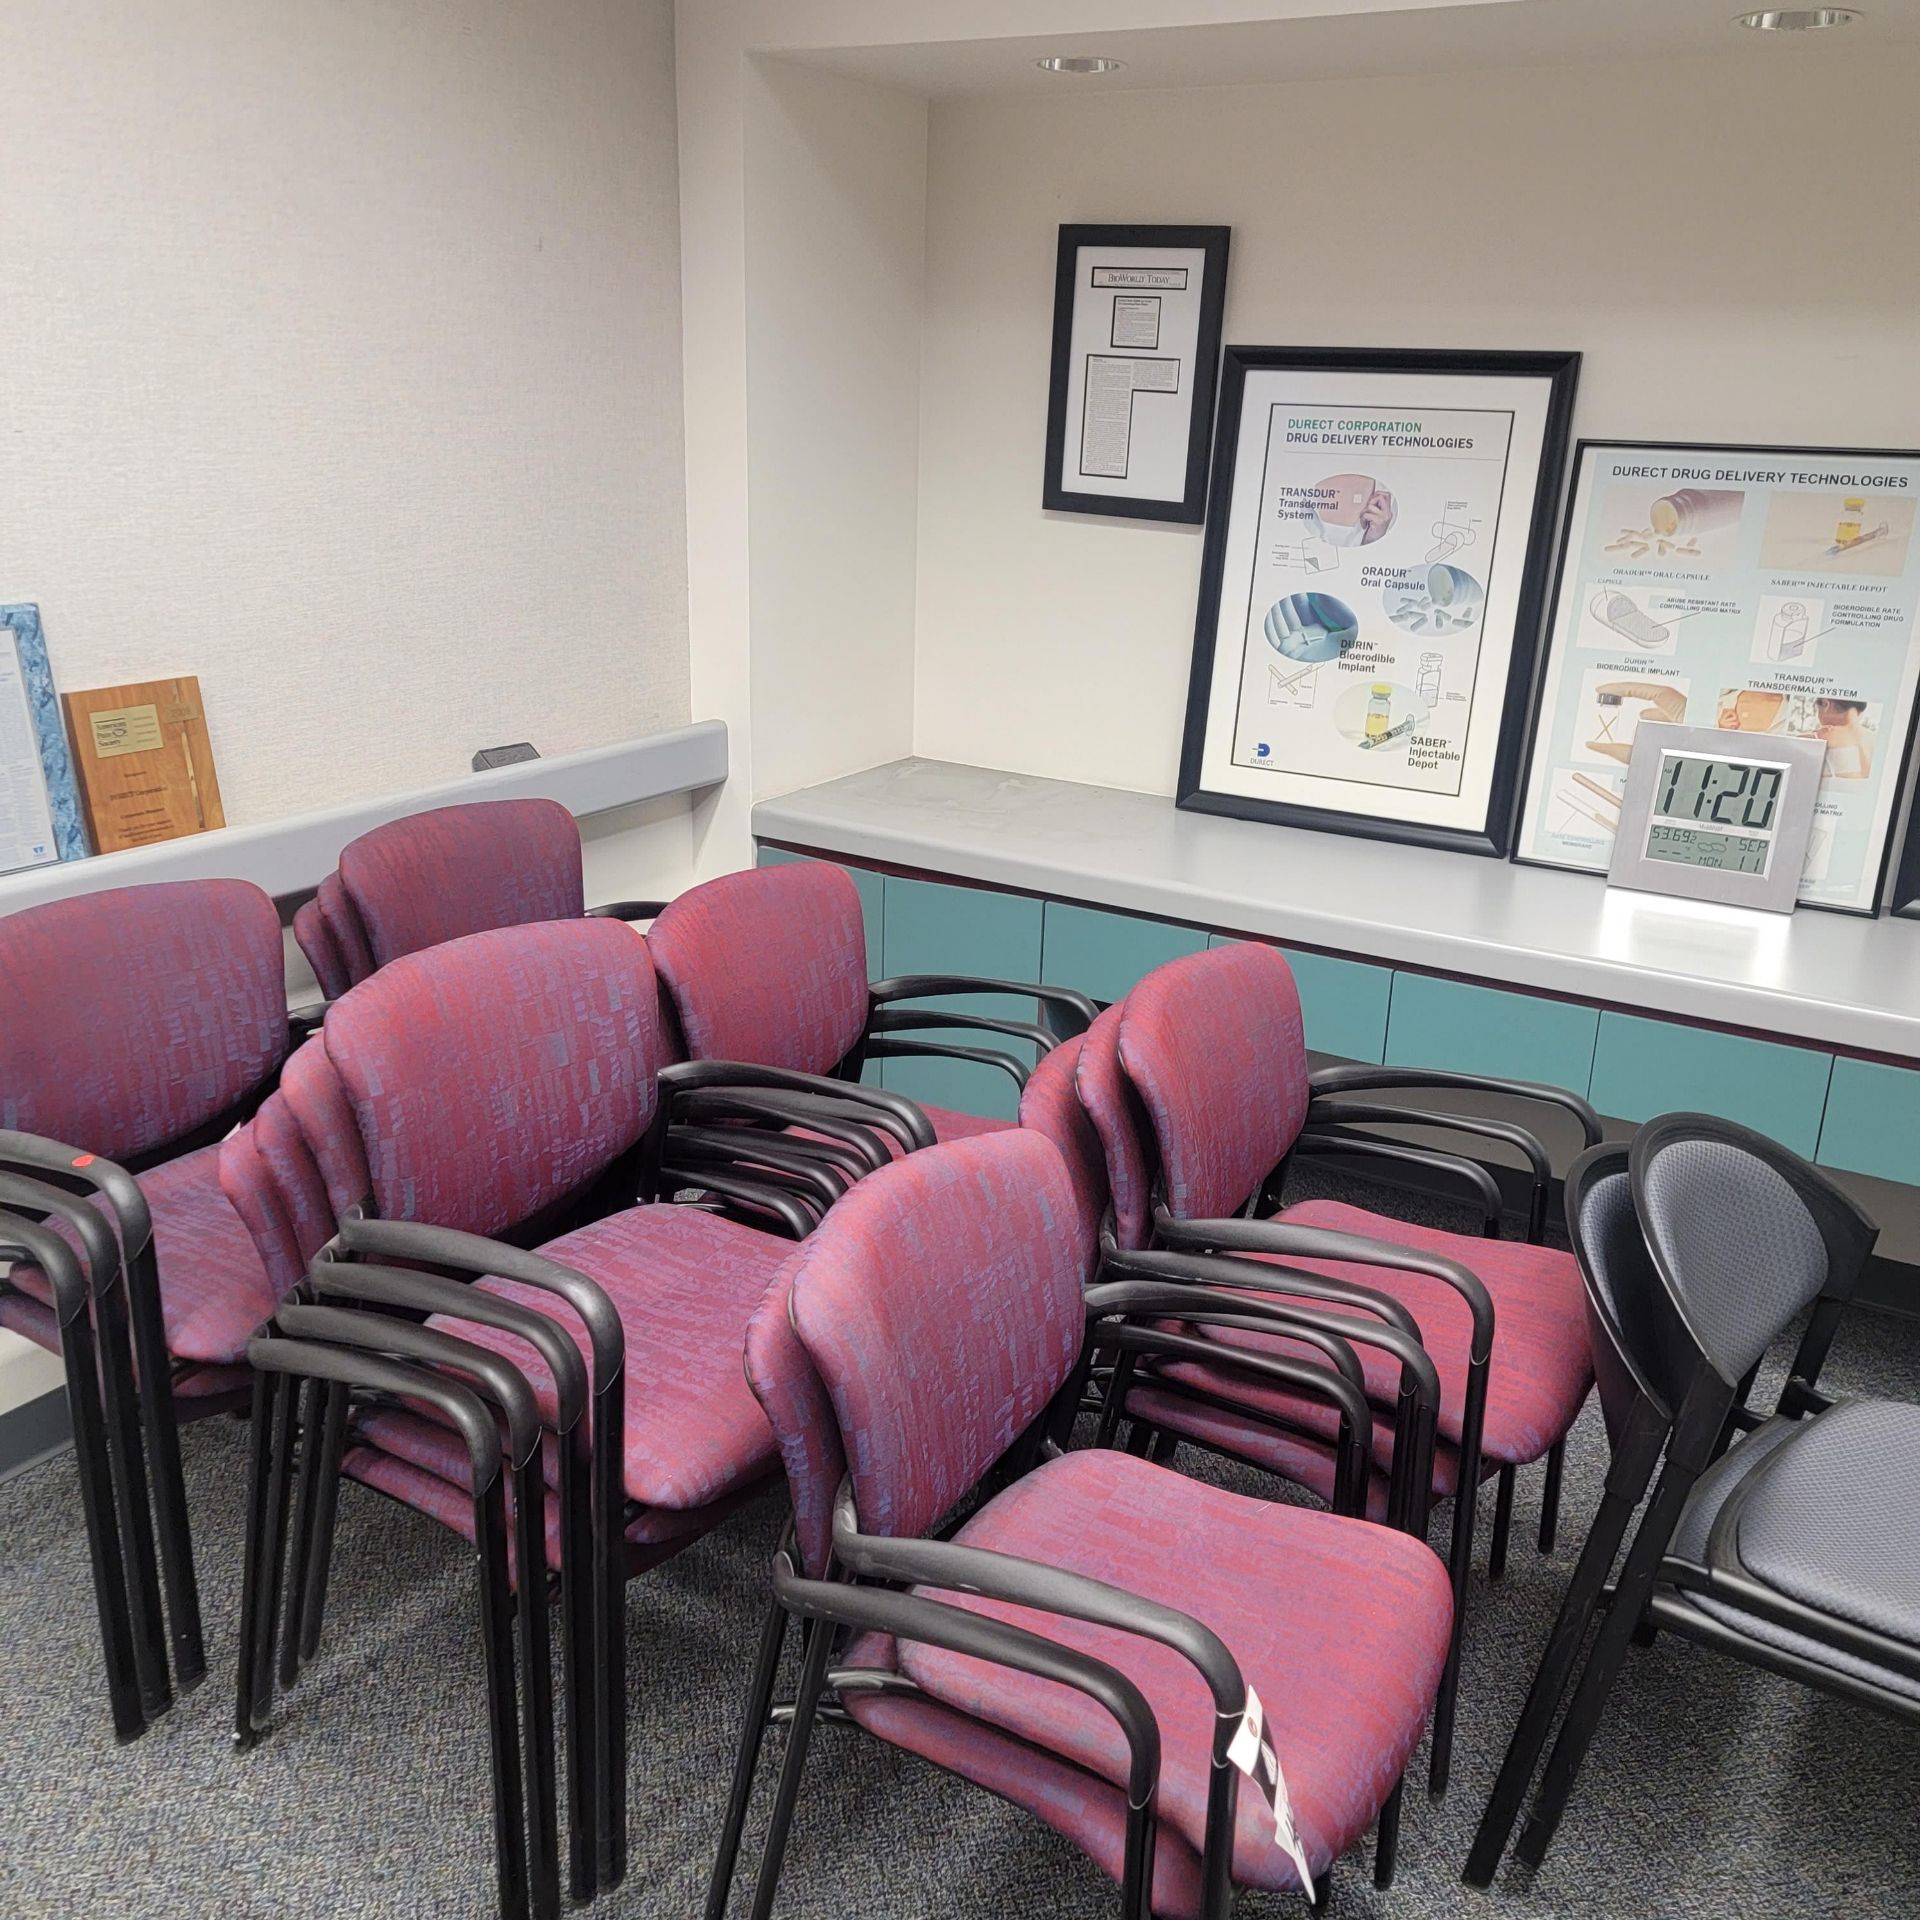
(835, 220)
(341, 367)
(1731, 242)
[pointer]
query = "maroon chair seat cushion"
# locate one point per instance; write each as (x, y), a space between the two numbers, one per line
(685, 1284)
(1542, 1363)
(214, 1291)
(1340, 1627)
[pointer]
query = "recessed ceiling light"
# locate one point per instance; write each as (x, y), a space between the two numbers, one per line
(1796, 19)
(1078, 63)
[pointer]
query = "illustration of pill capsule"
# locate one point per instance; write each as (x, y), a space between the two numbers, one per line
(1695, 510)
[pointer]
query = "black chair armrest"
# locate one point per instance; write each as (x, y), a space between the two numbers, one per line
(845, 1123)
(1354, 1077)
(899, 1117)
(905, 1616)
(628, 910)
(1073, 1007)
(889, 1047)
(74, 1167)
(350, 1283)
(1481, 1184)
(892, 1020)
(771, 1194)
(1348, 1249)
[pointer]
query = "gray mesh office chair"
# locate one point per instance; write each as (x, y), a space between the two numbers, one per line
(1791, 1541)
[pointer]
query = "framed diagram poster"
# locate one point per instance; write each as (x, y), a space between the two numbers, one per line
(1372, 587)
(1758, 590)
(1136, 352)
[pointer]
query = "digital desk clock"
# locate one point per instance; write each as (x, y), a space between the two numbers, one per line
(1713, 814)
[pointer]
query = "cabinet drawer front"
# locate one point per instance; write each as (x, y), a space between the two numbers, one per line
(939, 929)
(1647, 1067)
(1469, 1029)
(1106, 955)
(1872, 1122)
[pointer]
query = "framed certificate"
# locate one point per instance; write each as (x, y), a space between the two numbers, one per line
(39, 798)
(1372, 587)
(1765, 591)
(1136, 353)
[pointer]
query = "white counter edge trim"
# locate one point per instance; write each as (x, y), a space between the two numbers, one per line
(292, 855)
(1584, 941)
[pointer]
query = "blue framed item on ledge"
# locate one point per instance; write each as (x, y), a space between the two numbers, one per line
(40, 819)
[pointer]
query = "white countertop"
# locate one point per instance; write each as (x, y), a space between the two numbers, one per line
(1841, 981)
(290, 855)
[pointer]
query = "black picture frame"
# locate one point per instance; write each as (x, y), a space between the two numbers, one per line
(1896, 889)
(1493, 836)
(1212, 244)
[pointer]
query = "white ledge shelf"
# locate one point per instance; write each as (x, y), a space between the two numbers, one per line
(1833, 980)
(293, 855)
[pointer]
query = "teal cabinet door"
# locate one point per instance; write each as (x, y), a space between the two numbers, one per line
(1106, 954)
(1343, 1003)
(1647, 1067)
(1469, 1029)
(1872, 1122)
(870, 885)
(931, 928)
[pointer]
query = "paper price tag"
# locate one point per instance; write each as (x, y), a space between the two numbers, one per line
(1253, 1754)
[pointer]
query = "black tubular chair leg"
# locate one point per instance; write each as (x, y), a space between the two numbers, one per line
(1502, 1525)
(1386, 1845)
(300, 1542)
(313, 1590)
(536, 1682)
(496, 1640)
(23, 1240)
(773, 1852)
(1626, 1483)
(267, 1567)
(126, 1458)
(766, 1672)
(1604, 1662)
(1460, 1562)
(267, 1388)
(1550, 1496)
(159, 1416)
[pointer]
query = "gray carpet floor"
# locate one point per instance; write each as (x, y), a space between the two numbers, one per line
(1712, 1790)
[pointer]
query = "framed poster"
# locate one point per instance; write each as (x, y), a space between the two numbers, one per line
(1136, 354)
(1760, 590)
(39, 798)
(1372, 587)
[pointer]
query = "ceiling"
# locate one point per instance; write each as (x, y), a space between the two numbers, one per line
(1402, 40)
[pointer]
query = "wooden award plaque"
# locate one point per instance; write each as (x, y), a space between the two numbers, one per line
(145, 763)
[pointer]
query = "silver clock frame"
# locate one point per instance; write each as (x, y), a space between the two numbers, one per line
(1778, 889)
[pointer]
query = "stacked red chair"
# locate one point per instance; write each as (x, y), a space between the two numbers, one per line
(769, 967)
(1474, 1348)
(435, 876)
(140, 1025)
(485, 1109)
(1090, 1641)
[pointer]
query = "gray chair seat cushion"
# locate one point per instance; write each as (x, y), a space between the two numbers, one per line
(1835, 1525)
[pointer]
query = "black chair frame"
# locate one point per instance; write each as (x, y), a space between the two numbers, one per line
(1671, 1411)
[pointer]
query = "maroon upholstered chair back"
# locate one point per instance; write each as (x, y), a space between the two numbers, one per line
(1212, 1044)
(132, 1017)
(1051, 1106)
(489, 1078)
(1111, 1105)
(769, 966)
(436, 876)
(940, 1305)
